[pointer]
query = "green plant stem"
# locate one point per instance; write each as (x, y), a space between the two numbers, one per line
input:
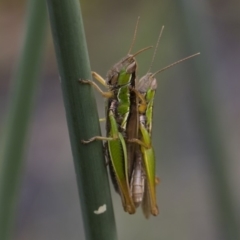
(17, 125)
(82, 118)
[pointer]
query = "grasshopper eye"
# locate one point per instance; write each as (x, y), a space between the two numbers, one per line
(131, 67)
(114, 79)
(153, 84)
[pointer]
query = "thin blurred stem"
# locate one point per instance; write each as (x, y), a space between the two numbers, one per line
(14, 139)
(207, 114)
(82, 118)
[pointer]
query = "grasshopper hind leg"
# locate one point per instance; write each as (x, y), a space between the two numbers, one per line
(111, 169)
(113, 177)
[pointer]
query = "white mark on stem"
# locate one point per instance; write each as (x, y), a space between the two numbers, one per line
(101, 209)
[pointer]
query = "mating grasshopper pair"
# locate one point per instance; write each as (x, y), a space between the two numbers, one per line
(129, 150)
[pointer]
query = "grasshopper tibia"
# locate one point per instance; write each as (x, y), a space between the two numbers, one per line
(108, 94)
(99, 138)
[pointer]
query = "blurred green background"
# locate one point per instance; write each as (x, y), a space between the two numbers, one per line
(196, 118)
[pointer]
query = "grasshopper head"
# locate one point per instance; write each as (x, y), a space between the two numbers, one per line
(129, 64)
(146, 83)
(121, 72)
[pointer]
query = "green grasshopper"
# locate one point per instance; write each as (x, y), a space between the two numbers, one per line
(143, 182)
(121, 109)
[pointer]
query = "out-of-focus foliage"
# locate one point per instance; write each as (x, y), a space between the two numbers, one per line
(186, 193)
(17, 123)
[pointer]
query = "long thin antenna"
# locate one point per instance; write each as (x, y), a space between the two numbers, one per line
(141, 50)
(173, 64)
(134, 36)
(155, 50)
(138, 52)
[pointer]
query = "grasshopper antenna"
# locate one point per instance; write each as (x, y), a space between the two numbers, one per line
(155, 50)
(131, 56)
(175, 63)
(141, 50)
(134, 36)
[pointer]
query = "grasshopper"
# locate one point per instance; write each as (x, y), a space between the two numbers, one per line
(121, 110)
(143, 182)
